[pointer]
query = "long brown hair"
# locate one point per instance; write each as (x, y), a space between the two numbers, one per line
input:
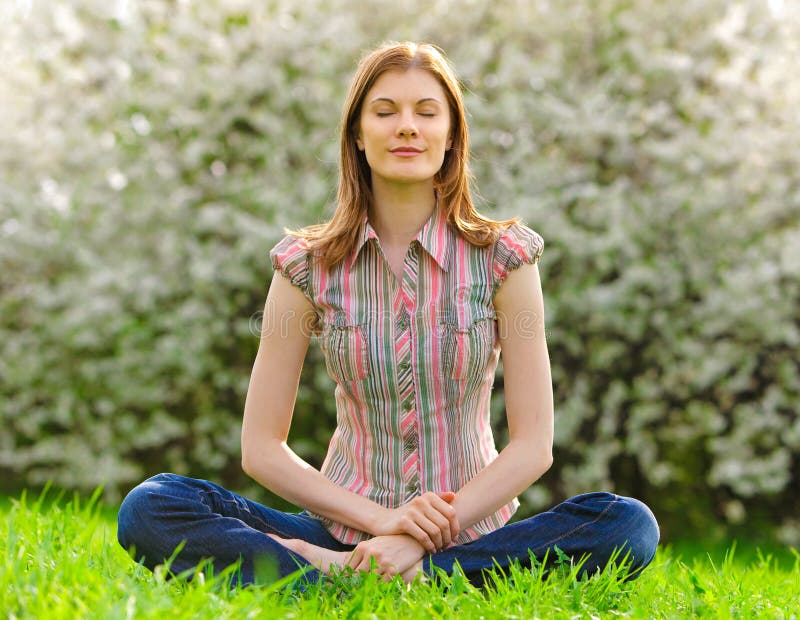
(336, 239)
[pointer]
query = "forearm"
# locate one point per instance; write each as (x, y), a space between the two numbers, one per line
(280, 470)
(514, 470)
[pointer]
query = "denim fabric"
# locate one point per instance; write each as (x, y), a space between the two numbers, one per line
(216, 523)
(593, 524)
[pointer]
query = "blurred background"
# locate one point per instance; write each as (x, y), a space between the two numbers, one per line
(151, 153)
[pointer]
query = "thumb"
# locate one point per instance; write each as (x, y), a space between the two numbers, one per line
(447, 496)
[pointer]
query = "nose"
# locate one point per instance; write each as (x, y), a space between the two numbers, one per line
(406, 126)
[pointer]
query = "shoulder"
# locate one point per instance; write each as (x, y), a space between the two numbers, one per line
(518, 241)
(290, 257)
(516, 245)
(289, 245)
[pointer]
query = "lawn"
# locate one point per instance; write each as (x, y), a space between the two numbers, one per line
(60, 559)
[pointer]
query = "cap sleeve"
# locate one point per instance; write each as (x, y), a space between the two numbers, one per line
(290, 257)
(516, 245)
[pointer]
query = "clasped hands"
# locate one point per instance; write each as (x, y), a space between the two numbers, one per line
(426, 524)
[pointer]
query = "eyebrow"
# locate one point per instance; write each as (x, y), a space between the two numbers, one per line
(392, 101)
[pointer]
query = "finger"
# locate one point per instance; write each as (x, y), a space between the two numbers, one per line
(355, 558)
(442, 523)
(389, 573)
(364, 565)
(455, 528)
(419, 517)
(382, 568)
(421, 536)
(432, 530)
(452, 527)
(447, 496)
(443, 526)
(443, 505)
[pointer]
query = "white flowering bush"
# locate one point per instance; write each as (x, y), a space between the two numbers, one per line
(153, 151)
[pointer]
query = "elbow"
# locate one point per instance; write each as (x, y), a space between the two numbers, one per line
(247, 463)
(534, 456)
(250, 461)
(256, 469)
(546, 461)
(258, 460)
(540, 461)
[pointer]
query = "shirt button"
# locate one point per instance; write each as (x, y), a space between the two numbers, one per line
(402, 322)
(410, 443)
(404, 365)
(408, 404)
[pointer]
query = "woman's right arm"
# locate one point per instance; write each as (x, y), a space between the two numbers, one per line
(266, 457)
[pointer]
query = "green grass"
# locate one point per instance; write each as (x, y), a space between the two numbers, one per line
(60, 559)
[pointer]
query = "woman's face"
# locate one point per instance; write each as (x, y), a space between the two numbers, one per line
(404, 127)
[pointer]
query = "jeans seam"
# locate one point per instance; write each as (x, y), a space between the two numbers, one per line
(268, 528)
(580, 527)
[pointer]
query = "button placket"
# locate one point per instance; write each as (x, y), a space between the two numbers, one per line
(405, 303)
(402, 321)
(406, 391)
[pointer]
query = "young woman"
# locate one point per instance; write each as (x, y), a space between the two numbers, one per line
(413, 295)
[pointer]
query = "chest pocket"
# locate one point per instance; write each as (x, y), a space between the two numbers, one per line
(344, 343)
(467, 343)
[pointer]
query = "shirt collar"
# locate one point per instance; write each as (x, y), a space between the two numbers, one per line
(436, 236)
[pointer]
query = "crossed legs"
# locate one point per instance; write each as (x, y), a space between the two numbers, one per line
(215, 523)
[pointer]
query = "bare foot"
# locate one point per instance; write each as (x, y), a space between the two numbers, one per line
(411, 573)
(319, 557)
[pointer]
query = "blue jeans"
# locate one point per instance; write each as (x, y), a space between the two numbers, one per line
(216, 523)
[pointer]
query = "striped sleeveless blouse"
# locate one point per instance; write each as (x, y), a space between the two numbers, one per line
(413, 361)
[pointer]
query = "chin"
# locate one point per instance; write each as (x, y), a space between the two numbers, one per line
(410, 176)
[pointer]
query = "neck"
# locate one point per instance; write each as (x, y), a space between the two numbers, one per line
(399, 211)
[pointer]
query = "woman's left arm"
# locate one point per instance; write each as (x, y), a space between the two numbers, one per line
(528, 393)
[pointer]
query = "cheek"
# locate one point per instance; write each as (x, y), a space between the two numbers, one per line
(440, 135)
(371, 141)
(440, 147)
(370, 129)
(371, 149)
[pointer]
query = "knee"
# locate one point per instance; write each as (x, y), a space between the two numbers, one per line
(140, 508)
(639, 528)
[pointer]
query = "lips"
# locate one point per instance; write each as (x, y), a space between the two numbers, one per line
(405, 151)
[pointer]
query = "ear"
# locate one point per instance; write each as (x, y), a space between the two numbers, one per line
(449, 143)
(359, 140)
